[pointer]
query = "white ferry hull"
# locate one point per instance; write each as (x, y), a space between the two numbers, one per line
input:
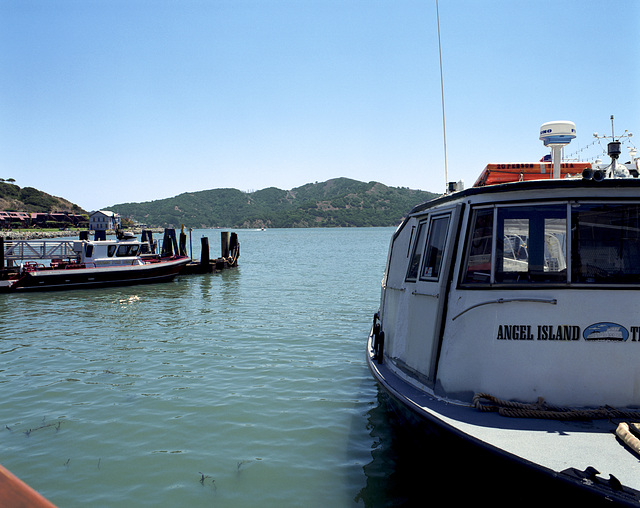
(525, 293)
(590, 453)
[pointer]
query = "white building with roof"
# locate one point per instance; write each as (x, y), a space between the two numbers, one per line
(103, 220)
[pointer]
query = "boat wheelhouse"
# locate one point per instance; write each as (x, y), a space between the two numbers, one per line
(522, 291)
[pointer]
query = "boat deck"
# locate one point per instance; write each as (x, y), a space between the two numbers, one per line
(552, 446)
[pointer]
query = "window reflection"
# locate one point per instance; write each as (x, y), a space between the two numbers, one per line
(435, 247)
(606, 240)
(416, 256)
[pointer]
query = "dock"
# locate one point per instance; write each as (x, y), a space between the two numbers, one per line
(229, 254)
(30, 250)
(15, 252)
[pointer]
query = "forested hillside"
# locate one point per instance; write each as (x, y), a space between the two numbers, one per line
(336, 202)
(28, 199)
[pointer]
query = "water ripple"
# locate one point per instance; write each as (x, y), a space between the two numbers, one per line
(252, 380)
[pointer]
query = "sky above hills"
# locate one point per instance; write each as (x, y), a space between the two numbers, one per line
(112, 101)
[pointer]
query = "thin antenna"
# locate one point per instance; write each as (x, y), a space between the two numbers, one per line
(613, 137)
(444, 125)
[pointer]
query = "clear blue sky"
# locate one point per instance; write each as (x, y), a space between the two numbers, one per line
(112, 101)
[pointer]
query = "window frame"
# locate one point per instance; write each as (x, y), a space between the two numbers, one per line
(492, 281)
(571, 279)
(620, 204)
(423, 263)
(528, 212)
(472, 219)
(422, 228)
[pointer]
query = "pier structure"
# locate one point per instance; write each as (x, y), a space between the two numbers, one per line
(34, 250)
(14, 252)
(229, 250)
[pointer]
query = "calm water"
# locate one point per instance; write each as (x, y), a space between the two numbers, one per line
(239, 389)
(243, 388)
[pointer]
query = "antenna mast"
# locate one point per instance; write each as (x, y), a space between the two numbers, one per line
(444, 125)
(613, 137)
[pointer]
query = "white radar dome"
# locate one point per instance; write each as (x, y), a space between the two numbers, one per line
(557, 133)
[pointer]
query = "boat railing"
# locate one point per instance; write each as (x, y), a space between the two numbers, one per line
(21, 250)
(32, 266)
(552, 301)
(433, 295)
(384, 286)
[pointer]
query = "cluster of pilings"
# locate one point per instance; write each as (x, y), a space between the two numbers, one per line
(229, 249)
(172, 245)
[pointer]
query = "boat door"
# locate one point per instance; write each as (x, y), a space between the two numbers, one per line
(427, 281)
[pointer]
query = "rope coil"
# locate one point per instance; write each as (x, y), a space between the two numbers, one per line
(628, 433)
(540, 409)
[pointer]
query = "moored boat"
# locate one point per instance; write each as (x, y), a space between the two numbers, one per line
(507, 317)
(96, 263)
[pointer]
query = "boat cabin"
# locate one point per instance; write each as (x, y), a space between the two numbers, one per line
(103, 253)
(521, 288)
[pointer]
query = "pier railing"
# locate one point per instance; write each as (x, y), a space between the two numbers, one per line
(23, 250)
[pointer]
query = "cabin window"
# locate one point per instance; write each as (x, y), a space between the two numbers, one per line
(526, 244)
(606, 243)
(434, 249)
(531, 244)
(416, 255)
(88, 251)
(480, 247)
(127, 250)
(111, 250)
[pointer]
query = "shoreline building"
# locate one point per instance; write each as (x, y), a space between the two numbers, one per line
(103, 220)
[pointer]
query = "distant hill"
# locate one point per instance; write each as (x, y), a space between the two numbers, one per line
(336, 202)
(28, 199)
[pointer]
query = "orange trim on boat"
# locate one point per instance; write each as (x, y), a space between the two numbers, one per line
(14, 493)
(524, 171)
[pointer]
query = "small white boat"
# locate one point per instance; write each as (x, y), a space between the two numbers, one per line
(508, 318)
(97, 263)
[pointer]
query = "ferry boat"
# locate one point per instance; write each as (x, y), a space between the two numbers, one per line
(508, 318)
(97, 263)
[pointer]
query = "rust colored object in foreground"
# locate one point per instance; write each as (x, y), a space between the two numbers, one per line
(14, 493)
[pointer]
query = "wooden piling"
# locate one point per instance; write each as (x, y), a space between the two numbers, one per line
(229, 259)
(234, 250)
(183, 243)
(204, 253)
(166, 244)
(169, 243)
(147, 236)
(224, 244)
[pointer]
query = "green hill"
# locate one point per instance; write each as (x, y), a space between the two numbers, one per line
(28, 199)
(336, 202)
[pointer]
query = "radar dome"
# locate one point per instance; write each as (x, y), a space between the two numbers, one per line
(557, 133)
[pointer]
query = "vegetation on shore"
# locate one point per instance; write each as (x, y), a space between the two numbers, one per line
(27, 199)
(337, 202)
